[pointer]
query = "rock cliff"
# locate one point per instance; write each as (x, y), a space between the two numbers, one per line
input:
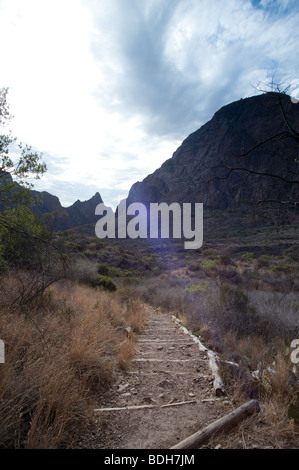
(247, 134)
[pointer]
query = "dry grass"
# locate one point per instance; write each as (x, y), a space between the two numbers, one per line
(242, 351)
(271, 427)
(59, 360)
(126, 352)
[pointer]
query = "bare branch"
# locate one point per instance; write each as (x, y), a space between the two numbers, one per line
(247, 170)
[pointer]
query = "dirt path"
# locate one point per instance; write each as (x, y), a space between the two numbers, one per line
(168, 368)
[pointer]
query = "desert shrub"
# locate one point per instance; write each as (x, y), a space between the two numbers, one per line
(278, 309)
(197, 288)
(129, 280)
(292, 253)
(23, 238)
(248, 256)
(225, 260)
(57, 366)
(115, 272)
(126, 351)
(102, 269)
(105, 282)
(193, 267)
(231, 275)
(231, 310)
(263, 261)
(210, 252)
(209, 264)
(284, 269)
(83, 271)
(165, 293)
(3, 265)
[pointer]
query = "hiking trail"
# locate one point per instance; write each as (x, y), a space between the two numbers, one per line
(166, 395)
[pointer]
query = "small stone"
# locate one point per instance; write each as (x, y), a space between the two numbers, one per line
(191, 394)
(148, 400)
(164, 383)
(122, 387)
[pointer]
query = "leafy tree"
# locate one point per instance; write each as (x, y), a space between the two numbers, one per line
(26, 248)
(28, 164)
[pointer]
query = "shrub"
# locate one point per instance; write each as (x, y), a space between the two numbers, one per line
(208, 264)
(248, 256)
(283, 269)
(83, 271)
(232, 311)
(105, 282)
(56, 367)
(102, 269)
(225, 260)
(211, 252)
(197, 288)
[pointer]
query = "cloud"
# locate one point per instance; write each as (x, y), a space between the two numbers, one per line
(108, 90)
(176, 63)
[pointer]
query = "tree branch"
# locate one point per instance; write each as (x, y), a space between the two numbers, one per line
(253, 172)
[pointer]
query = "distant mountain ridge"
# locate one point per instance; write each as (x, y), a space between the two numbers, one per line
(200, 169)
(64, 218)
(61, 218)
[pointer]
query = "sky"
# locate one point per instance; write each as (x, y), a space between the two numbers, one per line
(108, 89)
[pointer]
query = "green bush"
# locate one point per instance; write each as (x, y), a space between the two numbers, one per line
(102, 269)
(248, 256)
(197, 288)
(283, 269)
(21, 237)
(208, 264)
(225, 260)
(232, 311)
(115, 272)
(105, 282)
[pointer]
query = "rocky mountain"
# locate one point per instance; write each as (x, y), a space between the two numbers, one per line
(227, 163)
(63, 218)
(245, 154)
(57, 216)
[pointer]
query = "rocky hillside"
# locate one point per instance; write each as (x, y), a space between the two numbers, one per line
(57, 216)
(63, 218)
(245, 134)
(243, 155)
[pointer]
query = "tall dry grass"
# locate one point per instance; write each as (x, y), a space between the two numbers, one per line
(60, 358)
(250, 331)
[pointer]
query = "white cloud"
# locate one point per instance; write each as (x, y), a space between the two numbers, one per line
(109, 89)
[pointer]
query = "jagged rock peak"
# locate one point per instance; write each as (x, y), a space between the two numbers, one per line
(198, 170)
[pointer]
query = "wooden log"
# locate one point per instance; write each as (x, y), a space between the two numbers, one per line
(179, 403)
(141, 407)
(132, 407)
(217, 383)
(213, 362)
(223, 424)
